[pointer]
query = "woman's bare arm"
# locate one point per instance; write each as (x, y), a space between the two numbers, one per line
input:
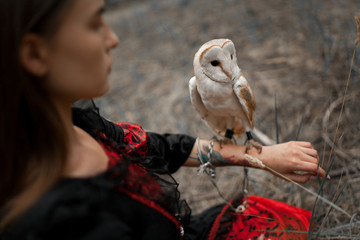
(295, 160)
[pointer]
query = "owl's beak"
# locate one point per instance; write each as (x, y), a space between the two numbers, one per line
(236, 73)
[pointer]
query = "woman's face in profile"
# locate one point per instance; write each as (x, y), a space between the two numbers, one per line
(78, 58)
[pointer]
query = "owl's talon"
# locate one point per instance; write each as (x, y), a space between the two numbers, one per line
(223, 141)
(253, 144)
(227, 141)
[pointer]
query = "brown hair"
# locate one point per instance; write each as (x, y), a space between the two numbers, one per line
(33, 143)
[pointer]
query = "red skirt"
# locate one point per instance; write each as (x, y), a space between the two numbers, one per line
(261, 219)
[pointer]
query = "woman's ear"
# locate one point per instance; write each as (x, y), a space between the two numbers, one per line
(33, 55)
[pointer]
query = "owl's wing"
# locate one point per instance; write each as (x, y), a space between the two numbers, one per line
(246, 98)
(215, 123)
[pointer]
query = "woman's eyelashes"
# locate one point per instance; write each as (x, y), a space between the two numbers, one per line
(97, 23)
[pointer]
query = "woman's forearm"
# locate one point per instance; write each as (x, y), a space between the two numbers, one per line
(295, 160)
(226, 155)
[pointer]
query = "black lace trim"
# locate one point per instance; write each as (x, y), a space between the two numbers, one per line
(160, 188)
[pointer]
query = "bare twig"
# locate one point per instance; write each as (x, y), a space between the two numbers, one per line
(337, 149)
(276, 121)
(344, 98)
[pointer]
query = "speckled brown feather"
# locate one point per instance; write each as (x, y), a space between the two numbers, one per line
(246, 94)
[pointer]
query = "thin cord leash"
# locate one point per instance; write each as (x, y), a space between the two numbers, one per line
(209, 169)
(205, 168)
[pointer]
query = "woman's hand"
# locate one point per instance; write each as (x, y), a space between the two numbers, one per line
(295, 160)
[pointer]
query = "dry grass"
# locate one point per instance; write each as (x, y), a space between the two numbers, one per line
(299, 50)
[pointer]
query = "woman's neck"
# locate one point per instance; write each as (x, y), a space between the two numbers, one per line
(65, 111)
(85, 157)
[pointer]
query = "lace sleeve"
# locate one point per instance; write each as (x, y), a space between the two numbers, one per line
(168, 152)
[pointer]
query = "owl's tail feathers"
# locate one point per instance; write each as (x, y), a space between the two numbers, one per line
(262, 137)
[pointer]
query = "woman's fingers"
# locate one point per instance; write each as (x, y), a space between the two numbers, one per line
(307, 148)
(304, 144)
(297, 160)
(306, 157)
(309, 167)
(299, 178)
(309, 162)
(311, 152)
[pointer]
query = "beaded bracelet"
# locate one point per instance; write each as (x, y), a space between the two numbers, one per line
(206, 166)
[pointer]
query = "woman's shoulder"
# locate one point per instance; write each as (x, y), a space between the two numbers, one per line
(132, 135)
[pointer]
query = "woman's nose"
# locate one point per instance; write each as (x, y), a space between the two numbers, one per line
(111, 39)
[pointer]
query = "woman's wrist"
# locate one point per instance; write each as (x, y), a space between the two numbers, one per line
(222, 155)
(262, 156)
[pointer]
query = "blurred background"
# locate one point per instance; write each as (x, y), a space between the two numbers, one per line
(295, 51)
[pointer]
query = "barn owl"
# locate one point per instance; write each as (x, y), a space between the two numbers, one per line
(220, 93)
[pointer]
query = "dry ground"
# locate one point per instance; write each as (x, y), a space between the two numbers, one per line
(298, 51)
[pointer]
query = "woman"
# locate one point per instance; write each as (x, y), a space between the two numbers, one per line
(70, 174)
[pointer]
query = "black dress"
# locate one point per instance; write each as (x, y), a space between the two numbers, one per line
(136, 198)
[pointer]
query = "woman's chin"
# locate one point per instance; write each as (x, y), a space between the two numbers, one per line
(99, 92)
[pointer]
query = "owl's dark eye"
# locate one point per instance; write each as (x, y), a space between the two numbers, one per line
(215, 63)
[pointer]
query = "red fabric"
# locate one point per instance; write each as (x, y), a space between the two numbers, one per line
(147, 190)
(216, 224)
(135, 138)
(268, 219)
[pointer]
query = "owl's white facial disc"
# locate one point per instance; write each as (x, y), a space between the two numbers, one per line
(219, 62)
